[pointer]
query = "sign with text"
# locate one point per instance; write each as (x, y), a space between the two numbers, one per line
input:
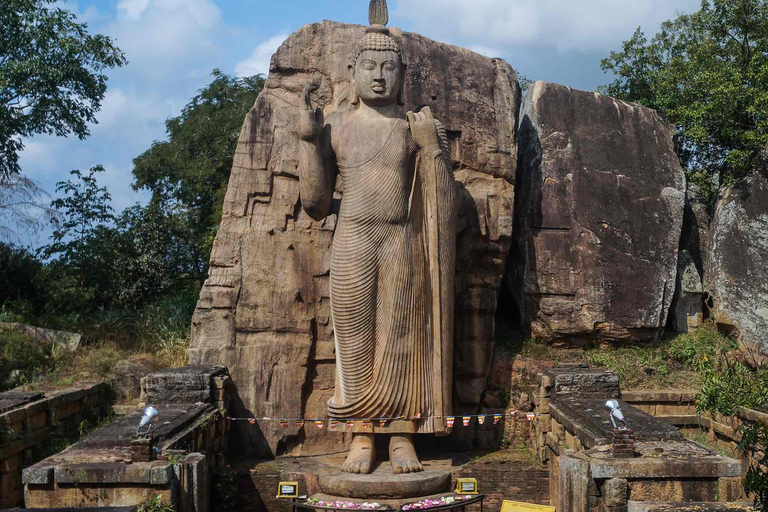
(288, 490)
(516, 506)
(466, 486)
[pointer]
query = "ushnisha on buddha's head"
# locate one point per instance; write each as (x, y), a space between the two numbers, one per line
(378, 69)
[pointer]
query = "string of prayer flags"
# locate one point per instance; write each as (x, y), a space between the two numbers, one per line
(382, 423)
(368, 424)
(334, 424)
(350, 424)
(450, 420)
(497, 418)
(512, 413)
(530, 416)
(299, 423)
(320, 424)
(252, 421)
(480, 420)
(283, 423)
(466, 420)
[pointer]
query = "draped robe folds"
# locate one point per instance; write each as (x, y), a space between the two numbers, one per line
(392, 282)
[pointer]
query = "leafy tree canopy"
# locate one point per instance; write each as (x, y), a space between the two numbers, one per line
(191, 169)
(51, 75)
(707, 73)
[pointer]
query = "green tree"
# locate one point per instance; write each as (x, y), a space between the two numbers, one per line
(754, 441)
(19, 271)
(155, 257)
(51, 75)
(191, 169)
(707, 73)
(83, 245)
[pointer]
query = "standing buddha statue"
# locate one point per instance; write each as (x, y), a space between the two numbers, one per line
(393, 255)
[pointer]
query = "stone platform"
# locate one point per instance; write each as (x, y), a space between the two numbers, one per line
(382, 483)
(506, 474)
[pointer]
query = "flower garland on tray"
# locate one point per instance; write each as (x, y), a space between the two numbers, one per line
(435, 503)
(344, 505)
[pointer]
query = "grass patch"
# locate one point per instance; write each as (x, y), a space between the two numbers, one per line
(701, 438)
(671, 363)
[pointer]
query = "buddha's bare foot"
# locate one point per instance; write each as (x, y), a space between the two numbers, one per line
(402, 455)
(362, 455)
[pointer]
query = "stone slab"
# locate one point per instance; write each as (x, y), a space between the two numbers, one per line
(665, 459)
(384, 484)
(640, 506)
(191, 384)
(586, 419)
(14, 399)
(579, 381)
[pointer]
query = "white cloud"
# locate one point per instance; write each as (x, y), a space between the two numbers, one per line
(567, 25)
(486, 50)
(132, 8)
(160, 37)
(258, 62)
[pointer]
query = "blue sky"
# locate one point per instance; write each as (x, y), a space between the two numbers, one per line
(172, 46)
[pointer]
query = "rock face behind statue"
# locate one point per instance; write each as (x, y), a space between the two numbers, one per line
(736, 275)
(600, 199)
(265, 309)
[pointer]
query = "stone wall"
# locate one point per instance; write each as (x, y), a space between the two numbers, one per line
(27, 420)
(115, 467)
(264, 311)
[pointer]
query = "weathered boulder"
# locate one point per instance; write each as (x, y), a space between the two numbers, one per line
(264, 311)
(736, 275)
(600, 198)
(696, 222)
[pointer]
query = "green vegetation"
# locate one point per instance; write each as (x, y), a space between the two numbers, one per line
(754, 441)
(51, 75)
(128, 281)
(700, 437)
(707, 72)
(673, 362)
(224, 491)
(728, 384)
(155, 504)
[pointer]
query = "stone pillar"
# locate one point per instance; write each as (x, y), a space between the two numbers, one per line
(573, 491)
(623, 443)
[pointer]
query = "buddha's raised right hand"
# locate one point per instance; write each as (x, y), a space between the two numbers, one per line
(310, 122)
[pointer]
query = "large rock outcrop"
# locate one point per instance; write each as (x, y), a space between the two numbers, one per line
(736, 275)
(599, 211)
(264, 311)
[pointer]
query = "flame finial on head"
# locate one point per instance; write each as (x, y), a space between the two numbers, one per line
(378, 14)
(377, 36)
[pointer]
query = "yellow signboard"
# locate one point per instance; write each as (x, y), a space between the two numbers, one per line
(516, 506)
(466, 486)
(288, 490)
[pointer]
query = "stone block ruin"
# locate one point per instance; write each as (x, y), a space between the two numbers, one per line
(115, 467)
(574, 437)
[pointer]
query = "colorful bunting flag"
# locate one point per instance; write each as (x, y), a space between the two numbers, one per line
(283, 423)
(466, 420)
(368, 424)
(300, 423)
(334, 424)
(252, 421)
(481, 420)
(530, 416)
(450, 420)
(350, 424)
(320, 424)
(382, 423)
(497, 418)
(512, 413)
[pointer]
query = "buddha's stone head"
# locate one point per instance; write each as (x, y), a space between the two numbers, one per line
(377, 67)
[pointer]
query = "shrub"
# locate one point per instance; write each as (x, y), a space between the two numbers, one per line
(727, 385)
(754, 441)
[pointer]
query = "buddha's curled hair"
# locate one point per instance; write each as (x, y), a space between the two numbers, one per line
(376, 39)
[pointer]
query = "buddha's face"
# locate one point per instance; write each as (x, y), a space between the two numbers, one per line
(378, 77)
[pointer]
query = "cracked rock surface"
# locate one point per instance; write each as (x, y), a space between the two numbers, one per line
(599, 212)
